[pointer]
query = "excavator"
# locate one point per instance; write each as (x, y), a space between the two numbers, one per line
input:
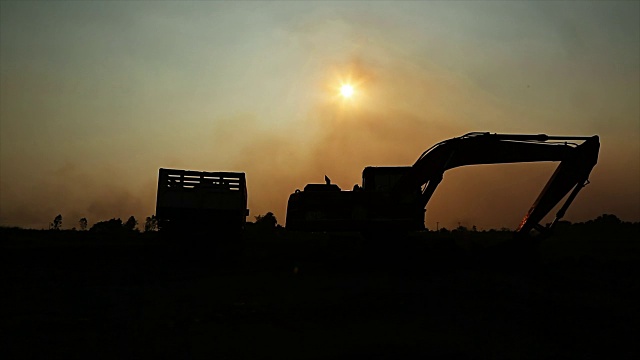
(395, 198)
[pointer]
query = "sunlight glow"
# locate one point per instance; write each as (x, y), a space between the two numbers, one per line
(346, 90)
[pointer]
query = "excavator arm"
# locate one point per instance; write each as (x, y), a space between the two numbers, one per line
(576, 163)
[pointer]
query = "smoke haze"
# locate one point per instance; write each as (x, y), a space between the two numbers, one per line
(96, 97)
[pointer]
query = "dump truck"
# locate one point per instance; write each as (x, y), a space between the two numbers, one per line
(395, 198)
(200, 201)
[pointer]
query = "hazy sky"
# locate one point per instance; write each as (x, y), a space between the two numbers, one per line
(96, 96)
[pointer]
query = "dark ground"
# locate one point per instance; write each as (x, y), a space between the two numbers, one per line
(458, 295)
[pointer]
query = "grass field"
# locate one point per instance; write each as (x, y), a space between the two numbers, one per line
(295, 296)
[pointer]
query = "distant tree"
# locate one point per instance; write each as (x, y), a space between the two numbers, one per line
(462, 228)
(607, 220)
(83, 223)
(151, 223)
(57, 223)
(109, 226)
(131, 223)
(266, 221)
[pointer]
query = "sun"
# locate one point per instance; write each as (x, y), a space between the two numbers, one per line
(346, 90)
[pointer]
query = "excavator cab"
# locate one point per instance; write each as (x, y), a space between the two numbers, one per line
(383, 178)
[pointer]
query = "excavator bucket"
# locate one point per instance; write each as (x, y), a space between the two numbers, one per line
(571, 176)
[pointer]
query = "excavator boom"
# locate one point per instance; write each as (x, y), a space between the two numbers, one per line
(576, 163)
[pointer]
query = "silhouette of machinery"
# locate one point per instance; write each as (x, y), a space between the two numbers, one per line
(394, 198)
(199, 200)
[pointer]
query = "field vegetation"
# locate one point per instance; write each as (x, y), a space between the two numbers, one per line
(115, 292)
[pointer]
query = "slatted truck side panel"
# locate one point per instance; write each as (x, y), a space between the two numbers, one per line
(200, 201)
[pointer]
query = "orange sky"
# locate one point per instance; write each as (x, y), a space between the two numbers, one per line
(96, 96)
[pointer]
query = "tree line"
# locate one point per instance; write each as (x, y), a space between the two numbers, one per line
(112, 225)
(269, 221)
(151, 223)
(604, 221)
